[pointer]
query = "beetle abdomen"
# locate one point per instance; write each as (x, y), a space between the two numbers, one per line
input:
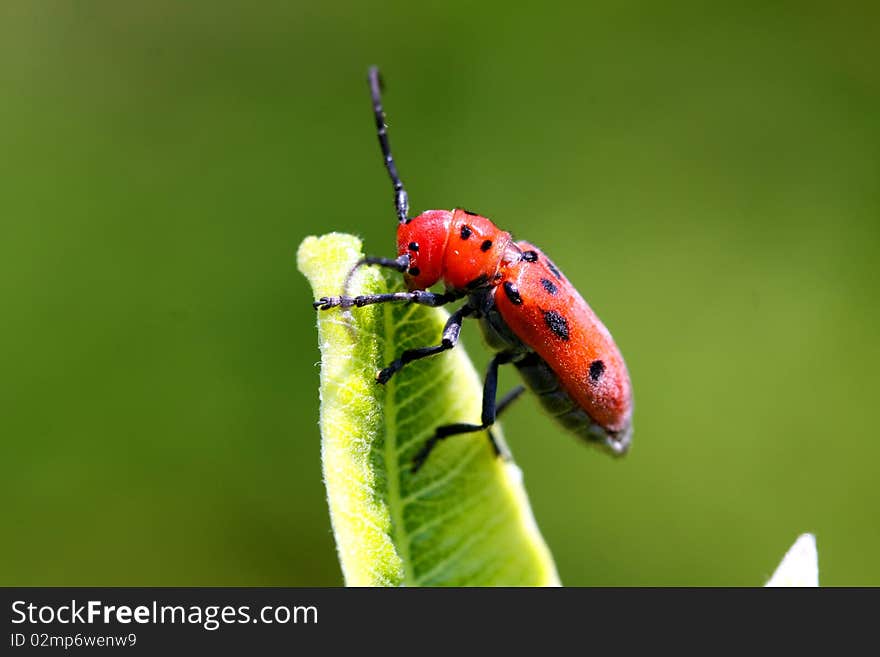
(540, 379)
(577, 359)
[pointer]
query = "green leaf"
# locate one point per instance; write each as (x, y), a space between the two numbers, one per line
(463, 519)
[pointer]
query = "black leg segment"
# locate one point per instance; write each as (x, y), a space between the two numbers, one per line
(491, 410)
(422, 297)
(397, 264)
(450, 339)
(498, 445)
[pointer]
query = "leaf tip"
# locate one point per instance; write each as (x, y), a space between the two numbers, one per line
(799, 566)
(319, 255)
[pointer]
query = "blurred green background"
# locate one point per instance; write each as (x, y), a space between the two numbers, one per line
(709, 178)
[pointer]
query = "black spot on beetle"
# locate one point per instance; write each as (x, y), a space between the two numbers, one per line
(414, 271)
(597, 368)
(553, 269)
(512, 293)
(556, 323)
(414, 246)
(466, 232)
(473, 214)
(530, 256)
(482, 279)
(548, 285)
(485, 246)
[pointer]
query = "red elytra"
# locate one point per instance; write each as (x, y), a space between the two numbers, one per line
(452, 247)
(530, 314)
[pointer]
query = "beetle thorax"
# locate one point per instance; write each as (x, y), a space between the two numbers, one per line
(464, 250)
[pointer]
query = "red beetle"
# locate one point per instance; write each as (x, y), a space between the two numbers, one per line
(529, 312)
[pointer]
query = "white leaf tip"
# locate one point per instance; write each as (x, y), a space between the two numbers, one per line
(799, 566)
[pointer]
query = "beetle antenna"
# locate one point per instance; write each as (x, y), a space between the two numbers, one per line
(401, 200)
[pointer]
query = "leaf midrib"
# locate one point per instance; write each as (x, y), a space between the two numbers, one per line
(392, 464)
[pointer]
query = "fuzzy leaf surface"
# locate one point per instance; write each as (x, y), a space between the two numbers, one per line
(463, 519)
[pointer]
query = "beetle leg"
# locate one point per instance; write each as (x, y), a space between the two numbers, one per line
(501, 449)
(422, 297)
(449, 340)
(491, 410)
(397, 264)
(400, 264)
